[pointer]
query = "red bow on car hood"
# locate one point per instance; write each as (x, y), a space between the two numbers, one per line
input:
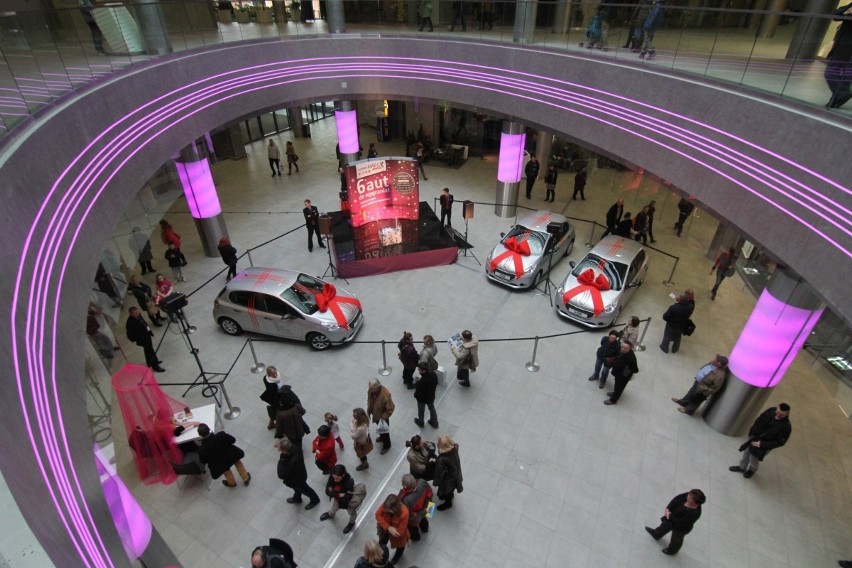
(592, 284)
(329, 300)
(516, 249)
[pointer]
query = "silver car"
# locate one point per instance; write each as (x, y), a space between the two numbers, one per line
(600, 285)
(286, 303)
(539, 241)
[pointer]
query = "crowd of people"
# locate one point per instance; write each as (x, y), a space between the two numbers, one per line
(435, 469)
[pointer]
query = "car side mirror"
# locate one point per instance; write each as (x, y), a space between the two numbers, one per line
(572, 263)
(502, 235)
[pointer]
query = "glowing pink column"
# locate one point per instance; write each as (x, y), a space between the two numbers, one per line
(509, 169)
(348, 145)
(786, 312)
(196, 180)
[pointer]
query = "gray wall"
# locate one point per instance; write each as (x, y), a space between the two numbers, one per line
(567, 94)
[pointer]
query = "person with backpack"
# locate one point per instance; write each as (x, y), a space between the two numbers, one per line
(416, 495)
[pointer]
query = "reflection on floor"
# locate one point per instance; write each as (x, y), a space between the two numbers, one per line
(552, 476)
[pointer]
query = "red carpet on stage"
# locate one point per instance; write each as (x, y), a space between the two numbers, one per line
(435, 246)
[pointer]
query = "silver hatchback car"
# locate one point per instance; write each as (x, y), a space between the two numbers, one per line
(537, 242)
(600, 285)
(287, 303)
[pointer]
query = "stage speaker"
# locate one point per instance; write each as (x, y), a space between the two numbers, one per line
(173, 302)
(467, 211)
(325, 225)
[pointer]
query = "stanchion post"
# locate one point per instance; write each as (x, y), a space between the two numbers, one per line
(532, 366)
(251, 262)
(233, 411)
(641, 346)
(670, 282)
(591, 235)
(384, 370)
(258, 366)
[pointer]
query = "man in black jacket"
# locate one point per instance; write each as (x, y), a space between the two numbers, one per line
(679, 517)
(531, 171)
(424, 394)
(685, 208)
(838, 72)
(311, 214)
(613, 216)
(623, 369)
(676, 318)
(291, 470)
(771, 430)
(447, 206)
(139, 333)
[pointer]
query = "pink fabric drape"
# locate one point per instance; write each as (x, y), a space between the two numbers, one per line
(148, 413)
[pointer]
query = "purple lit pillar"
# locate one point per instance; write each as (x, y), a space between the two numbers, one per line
(509, 169)
(197, 182)
(346, 118)
(786, 312)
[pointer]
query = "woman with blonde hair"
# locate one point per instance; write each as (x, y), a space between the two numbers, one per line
(448, 472)
(375, 556)
(360, 432)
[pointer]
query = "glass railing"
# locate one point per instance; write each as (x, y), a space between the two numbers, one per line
(45, 54)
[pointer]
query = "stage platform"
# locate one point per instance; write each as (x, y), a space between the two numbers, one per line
(424, 243)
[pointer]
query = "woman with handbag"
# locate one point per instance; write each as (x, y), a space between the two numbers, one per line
(448, 472)
(360, 432)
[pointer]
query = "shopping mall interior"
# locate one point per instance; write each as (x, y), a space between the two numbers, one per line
(552, 476)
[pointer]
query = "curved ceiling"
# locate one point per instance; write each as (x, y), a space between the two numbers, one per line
(775, 171)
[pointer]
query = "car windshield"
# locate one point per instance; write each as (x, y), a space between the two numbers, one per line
(615, 272)
(302, 294)
(535, 239)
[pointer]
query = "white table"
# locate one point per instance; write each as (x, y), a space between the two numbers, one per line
(203, 415)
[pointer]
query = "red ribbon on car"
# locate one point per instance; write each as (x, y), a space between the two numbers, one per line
(516, 249)
(329, 300)
(592, 284)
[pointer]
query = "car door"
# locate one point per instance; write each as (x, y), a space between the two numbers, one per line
(240, 307)
(635, 276)
(277, 317)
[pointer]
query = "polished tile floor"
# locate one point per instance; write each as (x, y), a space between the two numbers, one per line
(552, 476)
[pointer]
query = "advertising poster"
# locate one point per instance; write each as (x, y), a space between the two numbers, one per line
(384, 204)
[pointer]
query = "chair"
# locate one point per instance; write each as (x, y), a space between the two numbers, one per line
(191, 465)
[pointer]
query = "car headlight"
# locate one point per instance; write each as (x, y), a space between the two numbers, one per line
(530, 269)
(331, 326)
(611, 308)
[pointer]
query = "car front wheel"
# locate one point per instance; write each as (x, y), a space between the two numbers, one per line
(229, 326)
(318, 342)
(536, 280)
(570, 248)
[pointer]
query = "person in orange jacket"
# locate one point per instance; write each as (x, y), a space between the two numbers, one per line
(392, 521)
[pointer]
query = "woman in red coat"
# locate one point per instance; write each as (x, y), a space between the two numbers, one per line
(392, 521)
(169, 235)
